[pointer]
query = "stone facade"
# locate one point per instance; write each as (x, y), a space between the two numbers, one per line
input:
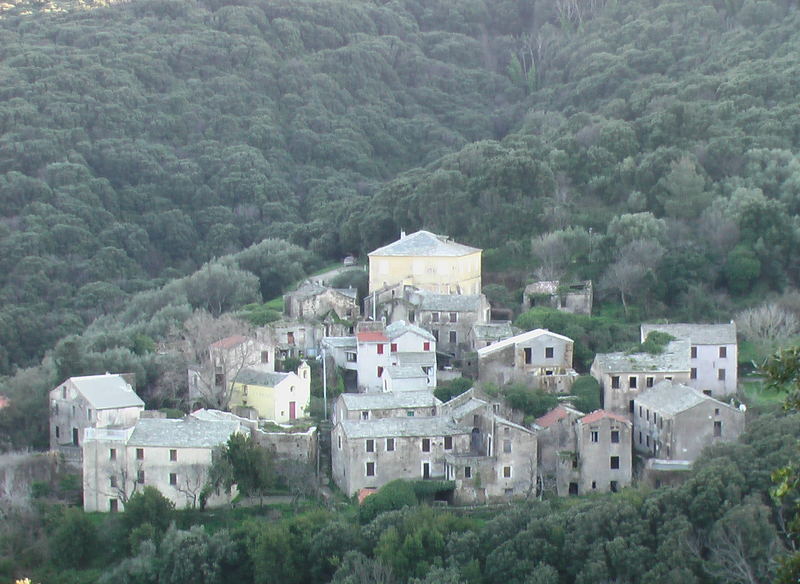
(314, 301)
(575, 298)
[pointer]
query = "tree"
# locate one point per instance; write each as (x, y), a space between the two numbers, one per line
(220, 288)
(767, 325)
(148, 507)
(244, 463)
(73, 542)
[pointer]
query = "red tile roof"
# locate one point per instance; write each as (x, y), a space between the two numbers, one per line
(371, 337)
(551, 417)
(600, 414)
(365, 492)
(229, 342)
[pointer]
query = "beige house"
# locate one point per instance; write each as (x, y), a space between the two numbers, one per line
(428, 261)
(673, 421)
(713, 354)
(538, 358)
(623, 376)
(280, 397)
(173, 456)
(92, 401)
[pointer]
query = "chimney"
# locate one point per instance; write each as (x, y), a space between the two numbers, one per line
(402, 234)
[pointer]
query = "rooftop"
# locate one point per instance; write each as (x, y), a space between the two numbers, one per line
(447, 302)
(556, 414)
(598, 415)
(424, 243)
(258, 377)
(403, 426)
(371, 337)
(521, 338)
(188, 432)
(672, 398)
(698, 334)
(340, 342)
(401, 327)
(407, 372)
(498, 331)
(675, 357)
(228, 342)
(420, 359)
(107, 391)
(399, 400)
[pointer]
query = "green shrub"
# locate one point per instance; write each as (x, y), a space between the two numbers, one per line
(394, 495)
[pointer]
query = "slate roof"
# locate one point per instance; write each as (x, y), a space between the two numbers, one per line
(675, 357)
(404, 426)
(340, 342)
(308, 290)
(672, 398)
(424, 243)
(521, 338)
(401, 327)
(393, 400)
(698, 334)
(408, 372)
(497, 332)
(188, 432)
(449, 302)
(107, 391)
(600, 414)
(420, 359)
(257, 377)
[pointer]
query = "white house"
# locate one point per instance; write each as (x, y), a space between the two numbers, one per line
(713, 354)
(92, 401)
(400, 343)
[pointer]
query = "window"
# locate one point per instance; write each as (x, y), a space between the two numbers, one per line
(615, 382)
(613, 486)
(453, 317)
(632, 381)
(63, 393)
(390, 445)
(370, 469)
(89, 414)
(140, 477)
(379, 348)
(707, 391)
(723, 352)
(649, 381)
(370, 445)
(112, 482)
(506, 472)
(641, 411)
(594, 485)
(434, 316)
(573, 488)
(595, 436)
(350, 356)
(640, 436)
(548, 352)
(290, 338)
(506, 445)
(615, 436)
(426, 346)
(647, 414)
(173, 455)
(113, 505)
(245, 390)
(615, 462)
(265, 356)
(694, 352)
(467, 472)
(393, 348)
(435, 334)
(380, 370)
(426, 445)
(112, 454)
(219, 379)
(340, 442)
(412, 317)
(508, 492)
(647, 441)
(717, 428)
(630, 406)
(693, 373)
(140, 454)
(716, 411)
(453, 337)
(448, 442)
(173, 478)
(410, 413)
(58, 432)
(528, 356)
(668, 377)
(721, 374)
(365, 415)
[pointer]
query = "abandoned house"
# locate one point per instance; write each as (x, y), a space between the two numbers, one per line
(575, 298)
(315, 301)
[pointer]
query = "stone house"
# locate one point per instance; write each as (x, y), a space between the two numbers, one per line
(402, 404)
(673, 421)
(537, 358)
(399, 378)
(623, 376)
(298, 339)
(427, 261)
(575, 298)
(279, 397)
(172, 455)
(604, 453)
(403, 344)
(315, 301)
(713, 354)
(558, 449)
(92, 401)
(483, 335)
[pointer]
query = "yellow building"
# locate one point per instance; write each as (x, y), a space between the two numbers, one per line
(279, 397)
(428, 261)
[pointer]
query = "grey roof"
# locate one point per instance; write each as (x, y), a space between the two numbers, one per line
(408, 372)
(495, 332)
(421, 359)
(403, 426)
(340, 342)
(672, 398)
(257, 377)
(401, 327)
(107, 391)
(521, 338)
(308, 290)
(466, 407)
(188, 432)
(508, 422)
(698, 334)
(675, 357)
(349, 292)
(392, 400)
(662, 464)
(424, 243)
(449, 302)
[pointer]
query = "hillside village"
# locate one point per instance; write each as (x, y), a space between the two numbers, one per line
(424, 320)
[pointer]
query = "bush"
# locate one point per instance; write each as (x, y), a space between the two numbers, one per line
(74, 540)
(394, 495)
(586, 389)
(453, 388)
(149, 506)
